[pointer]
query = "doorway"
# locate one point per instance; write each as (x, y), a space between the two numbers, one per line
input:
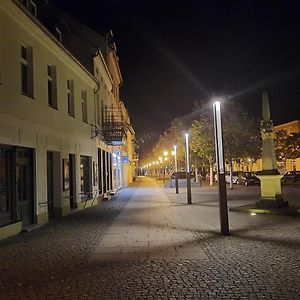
(24, 185)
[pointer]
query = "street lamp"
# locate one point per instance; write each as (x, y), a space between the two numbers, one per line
(188, 173)
(220, 168)
(176, 169)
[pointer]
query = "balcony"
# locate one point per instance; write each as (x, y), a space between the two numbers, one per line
(114, 126)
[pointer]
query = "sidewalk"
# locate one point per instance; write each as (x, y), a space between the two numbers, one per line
(147, 243)
(159, 224)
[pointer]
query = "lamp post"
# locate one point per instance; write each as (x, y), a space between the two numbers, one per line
(220, 168)
(165, 164)
(188, 173)
(176, 169)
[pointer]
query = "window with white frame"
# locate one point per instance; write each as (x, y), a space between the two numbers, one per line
(52, 86)
(84, 106)
(26, 71)
(70, 98)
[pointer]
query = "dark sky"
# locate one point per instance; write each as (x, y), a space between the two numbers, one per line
(175, 52)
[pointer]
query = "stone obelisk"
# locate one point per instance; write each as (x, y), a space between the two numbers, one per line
(270, 184)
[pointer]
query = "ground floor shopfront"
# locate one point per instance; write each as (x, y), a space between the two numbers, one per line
(51, 179)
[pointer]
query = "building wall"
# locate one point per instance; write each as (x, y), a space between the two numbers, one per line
(30, 122)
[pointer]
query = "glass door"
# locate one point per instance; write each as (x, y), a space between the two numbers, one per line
(24, 185)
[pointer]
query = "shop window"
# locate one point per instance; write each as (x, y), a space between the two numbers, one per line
(5, 201)
(86, 177)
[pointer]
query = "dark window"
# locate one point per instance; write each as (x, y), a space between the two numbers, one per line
(26, 71)
(5, 199)
(58, 34)
(86, 177)
(70, 97)
(24, 75)
(33, 8)
(52, 89)
(84, 106)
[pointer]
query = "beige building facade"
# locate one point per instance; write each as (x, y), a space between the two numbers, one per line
(54, 157)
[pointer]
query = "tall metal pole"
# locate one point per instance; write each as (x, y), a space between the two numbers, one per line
(176, 170)
(221, 169)
(188, 173)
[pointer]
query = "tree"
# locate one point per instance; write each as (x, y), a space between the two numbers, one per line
(241, 137)
(287, 146)
(202, 140)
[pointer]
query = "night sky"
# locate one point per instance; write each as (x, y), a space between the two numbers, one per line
(173, 53)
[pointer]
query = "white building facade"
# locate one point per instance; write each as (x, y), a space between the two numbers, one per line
(53, 157)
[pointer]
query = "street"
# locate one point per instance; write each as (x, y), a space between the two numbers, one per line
(147, 243)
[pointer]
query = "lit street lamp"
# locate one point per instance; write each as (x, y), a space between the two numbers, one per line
(220, 168)
(188, 173)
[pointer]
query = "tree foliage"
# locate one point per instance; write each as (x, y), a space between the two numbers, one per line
(287, 146)
(241, 137)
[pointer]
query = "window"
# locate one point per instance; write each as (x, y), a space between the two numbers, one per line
(26, 71)
(52, 86)
(58, 33)
(98, 110)
(33, 8)
(30, 5)
(84, 106)
(5, 174)
(86, 177)
(70, 96)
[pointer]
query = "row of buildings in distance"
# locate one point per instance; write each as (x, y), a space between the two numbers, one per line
(66, 139)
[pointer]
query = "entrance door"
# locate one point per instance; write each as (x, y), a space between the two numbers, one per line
(72, 165)
(50, 199)
(24, 185)
(104, 170)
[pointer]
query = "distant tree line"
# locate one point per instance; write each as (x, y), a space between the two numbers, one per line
(241, 138)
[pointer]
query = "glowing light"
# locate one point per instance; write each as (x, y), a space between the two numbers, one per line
(165, 153)
(253, 214)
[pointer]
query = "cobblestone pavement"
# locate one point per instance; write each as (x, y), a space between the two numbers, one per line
(260, 260)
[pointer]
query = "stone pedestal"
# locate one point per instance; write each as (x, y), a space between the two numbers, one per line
(270, 187)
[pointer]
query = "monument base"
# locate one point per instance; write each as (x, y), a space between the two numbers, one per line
(270, 191)
(271, 203)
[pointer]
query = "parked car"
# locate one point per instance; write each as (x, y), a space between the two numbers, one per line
(235, 177)
(291, 177)
(182, 175)
(249, 178)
